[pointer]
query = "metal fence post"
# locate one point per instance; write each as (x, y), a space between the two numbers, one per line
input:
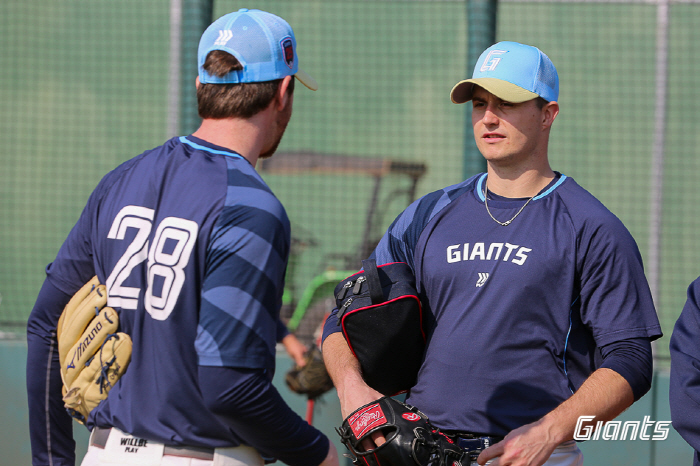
(481, 27)
(197, 15)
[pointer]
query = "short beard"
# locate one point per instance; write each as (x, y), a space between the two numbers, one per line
(269, 153)
(282, 125)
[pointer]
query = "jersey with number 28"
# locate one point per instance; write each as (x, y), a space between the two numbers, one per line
(192, 246)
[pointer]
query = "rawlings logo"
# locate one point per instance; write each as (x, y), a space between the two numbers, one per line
(366, 419)
(413, 417)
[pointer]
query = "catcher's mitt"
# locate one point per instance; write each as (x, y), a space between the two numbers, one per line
(410, 438)
(311, 379)
(92, 353)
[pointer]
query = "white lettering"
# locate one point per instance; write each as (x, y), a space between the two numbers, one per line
(633, 426)
(617, 430)
(491, 61)
(645, 425)
(487, 251)
(521, 256)
(509, 248)
(453, 255)
(661, 429)
(478, 250)
(582, 432)
(611, 430)
(493, 246)
(596, 434)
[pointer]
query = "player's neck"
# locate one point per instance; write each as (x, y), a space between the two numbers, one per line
(518, 184)
(243, 136)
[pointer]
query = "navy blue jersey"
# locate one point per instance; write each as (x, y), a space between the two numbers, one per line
(684, 391)
(192, 246)
(516, 312)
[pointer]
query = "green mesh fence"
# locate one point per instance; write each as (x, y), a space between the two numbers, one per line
(84, 85)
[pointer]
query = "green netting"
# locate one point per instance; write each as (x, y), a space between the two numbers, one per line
(84, 86)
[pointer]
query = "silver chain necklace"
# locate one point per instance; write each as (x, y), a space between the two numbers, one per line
(494, 218)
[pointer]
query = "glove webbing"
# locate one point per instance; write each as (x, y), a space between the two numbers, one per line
(103, 379)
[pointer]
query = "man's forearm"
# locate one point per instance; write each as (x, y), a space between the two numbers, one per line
(344, 369)
(605, 394)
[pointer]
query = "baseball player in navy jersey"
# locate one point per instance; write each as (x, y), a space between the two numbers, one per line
(192, 246)
(684, 390)
(538, 308)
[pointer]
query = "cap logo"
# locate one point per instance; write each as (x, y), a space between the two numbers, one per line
(288, 51)
(491, 61)
(224, 36)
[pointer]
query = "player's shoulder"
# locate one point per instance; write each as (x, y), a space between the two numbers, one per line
(429, 205)
(400, 240)
(579, 200)
(133, 162)
(586, 211)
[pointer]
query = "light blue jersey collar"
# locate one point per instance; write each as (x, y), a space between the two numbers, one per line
(482, 180)
(184, 140)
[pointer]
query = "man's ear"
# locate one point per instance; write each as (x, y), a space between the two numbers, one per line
(196, 83)
(283, 96)
(549, 113)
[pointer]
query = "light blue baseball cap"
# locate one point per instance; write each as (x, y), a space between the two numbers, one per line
(512, 72)
(264, 44)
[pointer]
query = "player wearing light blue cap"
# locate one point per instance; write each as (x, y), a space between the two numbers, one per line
(538, 310)
(193, 247)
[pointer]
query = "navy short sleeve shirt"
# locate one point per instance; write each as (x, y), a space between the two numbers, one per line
(516, 311)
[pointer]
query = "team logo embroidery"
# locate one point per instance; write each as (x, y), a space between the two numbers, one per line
(482, 279)
(224, 36)
(363, 421)
(413, 417)
(288, 51)
(84, 345)
(491, 61)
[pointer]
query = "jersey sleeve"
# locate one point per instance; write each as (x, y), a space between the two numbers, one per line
(633, 360)
(244, 279)
(50, 426)
(398, 244)
(247, 402)
(616, 302)
(74, 263)
(282, 331)
(684, 391)
(399, 241)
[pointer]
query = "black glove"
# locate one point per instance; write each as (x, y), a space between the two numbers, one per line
(410, 438)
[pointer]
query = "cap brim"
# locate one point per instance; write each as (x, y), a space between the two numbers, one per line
(463, 90)
(306, 80)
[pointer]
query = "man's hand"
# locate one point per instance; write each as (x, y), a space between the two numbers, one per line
(605, 394)
(353, 392)
(529, 445)
(295, 349)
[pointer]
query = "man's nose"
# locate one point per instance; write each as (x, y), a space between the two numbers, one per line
(490, 117)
